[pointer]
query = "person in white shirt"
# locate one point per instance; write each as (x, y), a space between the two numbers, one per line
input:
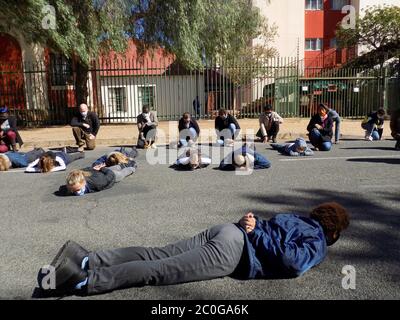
(53, 162)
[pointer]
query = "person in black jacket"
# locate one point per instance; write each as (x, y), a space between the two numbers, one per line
(320, 129)
(226, 126)
(395, 127)
(85, 127)
(98, 178)
(9, 136)
(373, 125)
(189, 130)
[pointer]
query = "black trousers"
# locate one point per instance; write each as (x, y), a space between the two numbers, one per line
(273, 131)
(150, 132)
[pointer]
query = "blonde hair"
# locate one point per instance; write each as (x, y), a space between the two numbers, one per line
(116, 158)
(77, 177)
(239, 159)
(4, 163)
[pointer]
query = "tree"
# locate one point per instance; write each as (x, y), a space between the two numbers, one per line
(190, 29)
(378, 31)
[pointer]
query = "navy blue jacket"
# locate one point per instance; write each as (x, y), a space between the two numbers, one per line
(286, 246)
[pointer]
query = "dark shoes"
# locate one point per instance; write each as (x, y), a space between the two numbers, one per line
(61, 280)
(72, 251)
(397, 147)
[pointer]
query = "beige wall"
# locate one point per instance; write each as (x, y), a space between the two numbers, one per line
(288, 15)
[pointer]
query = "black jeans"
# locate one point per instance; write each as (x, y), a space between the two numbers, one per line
(213, 253)
(273, 131)
(150, 133)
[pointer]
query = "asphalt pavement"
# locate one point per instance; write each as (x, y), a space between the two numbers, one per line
(158, 205)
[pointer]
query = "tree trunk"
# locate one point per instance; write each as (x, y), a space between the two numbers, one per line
(81, 88)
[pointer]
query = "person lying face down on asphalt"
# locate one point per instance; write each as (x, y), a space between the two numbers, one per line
(53, 161)
(122, 156)
(286, 246)
(296, 149)
(192, 159)
(101, 177)
(244, 159)
(14, 160)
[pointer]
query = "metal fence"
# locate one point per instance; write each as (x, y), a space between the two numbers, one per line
(45, 93)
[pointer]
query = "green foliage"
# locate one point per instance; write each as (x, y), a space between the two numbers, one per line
(190, 29)
(378, 27)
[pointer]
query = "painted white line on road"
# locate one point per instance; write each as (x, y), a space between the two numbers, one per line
(343, 158)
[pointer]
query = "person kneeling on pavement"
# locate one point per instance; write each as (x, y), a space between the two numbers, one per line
(286, 246)
(296, 149)
(147, 123)
(320, 129)
(85, 127)
(373, 125)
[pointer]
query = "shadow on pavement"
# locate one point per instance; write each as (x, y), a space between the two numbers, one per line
(373, 224)
(370, 148)
(382, 160)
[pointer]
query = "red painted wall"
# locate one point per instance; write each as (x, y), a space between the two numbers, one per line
(323, 24)
(12, 91)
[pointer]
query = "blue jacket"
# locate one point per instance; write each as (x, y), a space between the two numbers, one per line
(286, 246)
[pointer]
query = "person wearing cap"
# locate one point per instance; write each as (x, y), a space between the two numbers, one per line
(189, 130)
(245, 158)
(85, 127)
(226, 127)
(296, 149)
(320, 129)
(283, 247)
(9, 136)
(373, 125)
(269, 124)
(395, 127)
(192, 159)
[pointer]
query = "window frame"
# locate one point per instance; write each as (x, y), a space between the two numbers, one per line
(312, 7)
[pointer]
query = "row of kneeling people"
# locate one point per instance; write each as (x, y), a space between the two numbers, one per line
(86, 125)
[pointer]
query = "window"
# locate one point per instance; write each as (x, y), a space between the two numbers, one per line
(117, 99)
(313, 45)
(146, 96)
(61, 70)
(333, 43)
(339, 4)
(314, 5)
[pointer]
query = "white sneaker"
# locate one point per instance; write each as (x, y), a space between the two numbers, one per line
(153, 146)
(368, 138)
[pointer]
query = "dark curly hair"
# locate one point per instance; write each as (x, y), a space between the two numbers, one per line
(331, 216)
